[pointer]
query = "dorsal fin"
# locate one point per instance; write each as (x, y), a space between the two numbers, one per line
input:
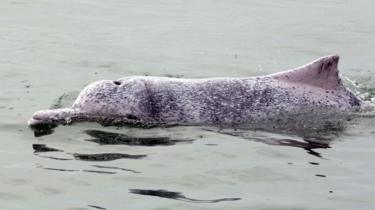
(321, 73)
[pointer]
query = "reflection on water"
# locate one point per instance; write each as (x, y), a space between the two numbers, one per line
(59, 169)
(108, 138)
(91, 170)
(39, 148)
(177, 196)
(97, 207)
(99, 172)
(43, 148)
(75, 170)
(106, 156)
(307, 143)
(43, 129)
(54, 158)
(116, 168)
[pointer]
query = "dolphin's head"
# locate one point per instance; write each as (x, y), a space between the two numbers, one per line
(108, 98)
(101, 101)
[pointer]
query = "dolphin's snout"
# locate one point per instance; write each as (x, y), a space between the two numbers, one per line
(45, 116)
(41, 115)
(32, 122)
(51, 116)
(43, 122)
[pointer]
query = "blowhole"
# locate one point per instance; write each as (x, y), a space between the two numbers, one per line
(117, 82)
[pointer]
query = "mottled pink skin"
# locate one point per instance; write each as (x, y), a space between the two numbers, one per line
(54, 115)
(295, 95)
(322, 73)
(320, 79)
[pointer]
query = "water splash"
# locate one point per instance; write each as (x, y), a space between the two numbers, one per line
(367, 94)
(360, 90)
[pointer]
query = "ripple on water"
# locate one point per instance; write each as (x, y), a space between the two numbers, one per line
(10, 196)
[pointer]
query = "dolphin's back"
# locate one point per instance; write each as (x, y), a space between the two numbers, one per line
(314, 89)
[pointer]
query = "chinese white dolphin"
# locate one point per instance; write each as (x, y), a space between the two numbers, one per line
(311, 95)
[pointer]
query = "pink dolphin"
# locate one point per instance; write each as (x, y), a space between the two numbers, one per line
(311, 95)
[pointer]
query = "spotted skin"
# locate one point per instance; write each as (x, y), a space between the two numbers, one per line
(292, 98)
